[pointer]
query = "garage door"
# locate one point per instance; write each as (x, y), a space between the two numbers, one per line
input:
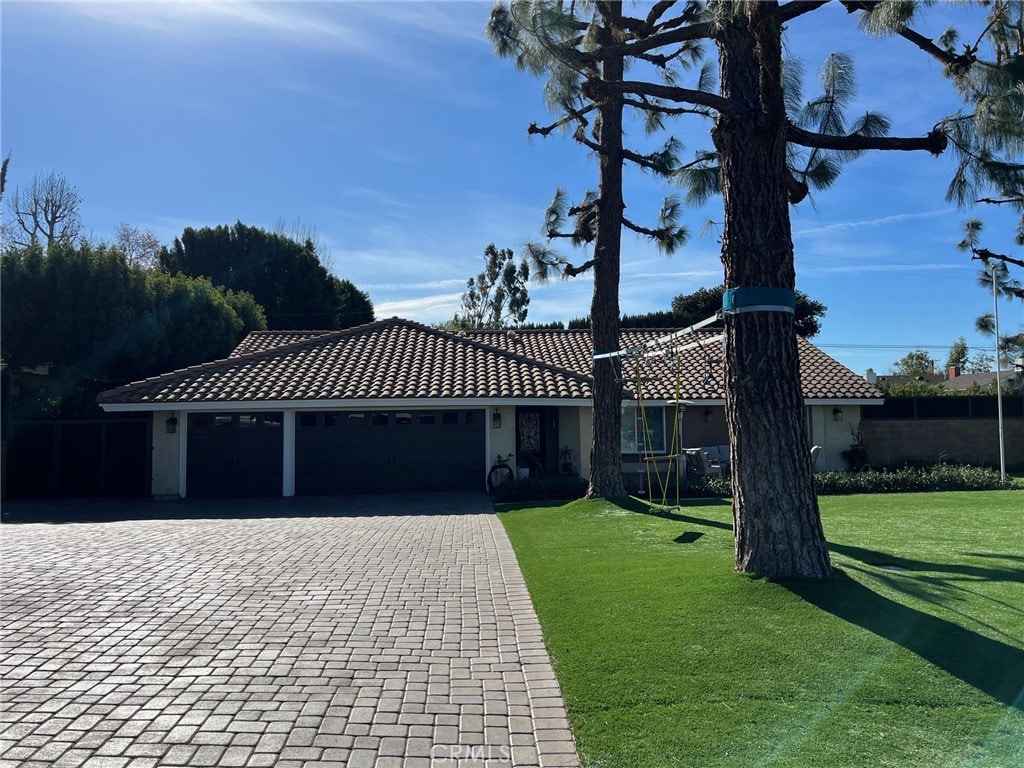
(234, 454)
(395, 451)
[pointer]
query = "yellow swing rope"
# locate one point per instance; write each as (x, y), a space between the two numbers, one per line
(673, 456)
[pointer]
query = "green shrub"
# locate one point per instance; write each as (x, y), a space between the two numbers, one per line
(548, 487)
(910, 479)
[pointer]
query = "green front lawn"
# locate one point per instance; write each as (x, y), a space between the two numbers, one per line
(912, 656)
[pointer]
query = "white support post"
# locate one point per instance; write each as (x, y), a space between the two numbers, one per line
(288, 457)
(182, 453)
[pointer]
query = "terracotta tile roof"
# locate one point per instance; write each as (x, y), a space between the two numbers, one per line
(260, 341)
(691, 369)
(391, 359)
(396, 359)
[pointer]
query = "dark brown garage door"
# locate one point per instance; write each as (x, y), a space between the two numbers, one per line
(394, 451)
(234, 454)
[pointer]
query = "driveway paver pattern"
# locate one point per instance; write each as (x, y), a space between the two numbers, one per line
(369, 632)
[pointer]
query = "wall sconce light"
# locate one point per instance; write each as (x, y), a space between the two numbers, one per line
(708, 415)
(171, 424)
(496, 418)
(837, 414)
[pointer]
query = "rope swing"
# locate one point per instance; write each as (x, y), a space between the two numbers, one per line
(735, 301)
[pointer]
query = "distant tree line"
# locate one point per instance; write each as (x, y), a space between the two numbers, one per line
(690, 308)
(95, 315)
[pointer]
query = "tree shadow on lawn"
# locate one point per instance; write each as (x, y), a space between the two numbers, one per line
(991, 666)
(884, 560)
(665, 513)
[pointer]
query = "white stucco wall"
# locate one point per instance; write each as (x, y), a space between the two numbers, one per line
(502, 440)
(166, 456)
(833, 436)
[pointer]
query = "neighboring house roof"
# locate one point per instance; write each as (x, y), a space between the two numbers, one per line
(401, 359)
(966, 381)
(899, 379)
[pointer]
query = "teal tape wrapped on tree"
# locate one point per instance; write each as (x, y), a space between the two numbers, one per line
(758, 299)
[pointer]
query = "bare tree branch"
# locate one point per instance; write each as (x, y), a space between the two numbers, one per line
(598, 89)
(985, 253)
(796, 8)
(935, 142)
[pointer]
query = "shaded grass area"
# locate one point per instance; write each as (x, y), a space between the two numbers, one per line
(912, 656)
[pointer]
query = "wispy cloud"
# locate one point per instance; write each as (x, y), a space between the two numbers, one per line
(377, 32)
(429, 285)
(810, 270)
(425, 309)
(846, 226)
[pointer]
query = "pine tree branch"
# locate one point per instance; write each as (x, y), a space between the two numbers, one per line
(576, 114)
(652, 233)
(702, 31)
(657, 11)
(796, 8)
(571, 271)
(598, 89)
(953, 61)
(645, 161)
(650, 106)
(999, 201)
(985, 253)
(935, 142)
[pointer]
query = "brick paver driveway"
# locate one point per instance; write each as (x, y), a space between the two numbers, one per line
(386, 631)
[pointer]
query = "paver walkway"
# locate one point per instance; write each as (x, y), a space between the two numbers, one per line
(275, 633)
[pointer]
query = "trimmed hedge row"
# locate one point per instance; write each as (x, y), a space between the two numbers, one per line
(939, 477)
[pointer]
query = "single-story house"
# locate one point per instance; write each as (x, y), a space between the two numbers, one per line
(396, 405)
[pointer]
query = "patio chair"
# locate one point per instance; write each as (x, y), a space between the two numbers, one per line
(697, 461)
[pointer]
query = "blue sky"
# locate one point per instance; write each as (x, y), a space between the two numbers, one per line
(394, 130)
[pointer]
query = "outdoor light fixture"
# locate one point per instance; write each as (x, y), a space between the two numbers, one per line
(171, 424)
(837, 414)
(496, 418)
(708, 415)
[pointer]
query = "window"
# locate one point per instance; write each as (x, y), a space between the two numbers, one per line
(450, 417)
(427, 418)
(632, 440)
(307, 419)
(403, 419)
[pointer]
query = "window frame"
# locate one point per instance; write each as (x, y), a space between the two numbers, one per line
(632, 414)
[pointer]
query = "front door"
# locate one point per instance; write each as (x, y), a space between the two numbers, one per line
(530, 439)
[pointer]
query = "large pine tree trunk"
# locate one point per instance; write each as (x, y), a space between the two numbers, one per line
(778, 532)
(606, 457)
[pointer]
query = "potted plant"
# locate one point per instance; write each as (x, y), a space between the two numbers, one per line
(525, 463)
(856, 456)
(568, 458)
